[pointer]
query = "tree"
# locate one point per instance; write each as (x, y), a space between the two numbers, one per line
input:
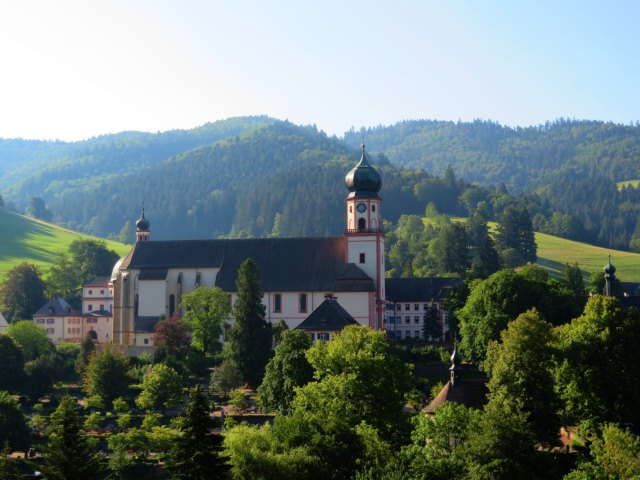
(87, 349)
(69, 455)
(251, 333)
(92, 258)
(572, 279)
(31, 338)
(196, 453)
(161, 388)
(437, 442)
(172, 335)
(63, 279)
(287, 370)
(38, 209)
(225, 377)
(206, 310)
(596, 284)
(106, 375)
(126, 233)
(599, 363)
(520, 370)
(22, 292)
(14, 432)
(451, 249)
(11, 379)
(515, 231)
(615, 456)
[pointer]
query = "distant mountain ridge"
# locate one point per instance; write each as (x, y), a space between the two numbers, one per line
(258, 176)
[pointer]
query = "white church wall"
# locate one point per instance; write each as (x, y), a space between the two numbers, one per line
(151, 298)
(357, 304)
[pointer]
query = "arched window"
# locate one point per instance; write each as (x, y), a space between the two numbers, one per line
(93, 335)
(362, 224)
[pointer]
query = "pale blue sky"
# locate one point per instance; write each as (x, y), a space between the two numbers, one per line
(75, 69)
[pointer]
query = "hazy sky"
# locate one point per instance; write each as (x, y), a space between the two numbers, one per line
(76, 69)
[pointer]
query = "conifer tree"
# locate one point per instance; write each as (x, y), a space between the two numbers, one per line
(196, 454)
(69, 455)
(251, 333)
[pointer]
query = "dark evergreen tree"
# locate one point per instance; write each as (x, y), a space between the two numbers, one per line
(196, 454)
(87, 348)
(515, 231)
(22, 292)
(572, 279)
(11, 379)
(432, 328)
(39, 210)
(451, 249)
(69, 455)
(14, 432)
(251, 333)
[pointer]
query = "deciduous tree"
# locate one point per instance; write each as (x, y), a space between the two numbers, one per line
(225, 377)
(11, 379)
(287, 370)
(22, 292)
(106, 375)
(31, 338)
(161, 388)
(206, 310)
(172, 335)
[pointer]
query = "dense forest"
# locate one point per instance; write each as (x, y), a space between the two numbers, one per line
(257, 176)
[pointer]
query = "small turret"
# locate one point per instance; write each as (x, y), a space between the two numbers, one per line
(143, 234)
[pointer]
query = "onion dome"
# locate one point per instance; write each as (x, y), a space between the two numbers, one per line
(142, 224)
(363, 180)
(609, 268)
(456, 358)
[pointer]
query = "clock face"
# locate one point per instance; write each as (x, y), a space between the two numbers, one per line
(361, 207)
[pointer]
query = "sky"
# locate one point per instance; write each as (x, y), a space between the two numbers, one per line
(74, 69)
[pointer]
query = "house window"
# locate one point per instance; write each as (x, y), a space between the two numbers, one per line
(50, 331)
(416, 319)
(102, 291)
(362, 258)
(407, 306)
(416, 306)
(146, 341)
(407, 334)
(91, 308)
(101, 307)
(392, 319)
(277, 302)
(313, 336)
(416, 334)
(324, 336)
(398, 307)
(90, 292)
(407, 319)
(303, 303)
(50, 320)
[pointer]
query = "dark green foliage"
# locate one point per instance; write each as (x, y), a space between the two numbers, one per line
(432, 329)
(161, 388)
(42, 373)
(496, 301)
(451, 249)
(106, 375)
(31, 338)
(287, 369)
(196, 454)
(69, 455)
(11, 379)
(250, 334)
(206, 310)
(572, 279)
(599, 363)
(596, 284)
(14, 432)
(38, 209)
(92, 258)
(225, 377)
(22, 292)
(87, 348)
(520, 371)
(515, 232)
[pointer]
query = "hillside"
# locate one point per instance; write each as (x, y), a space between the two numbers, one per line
(24, 239)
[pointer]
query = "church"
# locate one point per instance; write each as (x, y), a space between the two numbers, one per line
(298, 275)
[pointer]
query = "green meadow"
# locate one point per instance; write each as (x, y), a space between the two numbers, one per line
(24, 239)
(628, 183)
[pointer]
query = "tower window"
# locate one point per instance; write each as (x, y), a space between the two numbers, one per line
(172, 304)
(373, 208)
(277, 302)
(362, 258)
(303, 302)
(362, 224)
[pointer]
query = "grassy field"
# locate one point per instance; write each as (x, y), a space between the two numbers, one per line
(23, 239)
(554, 252)
(626, 183)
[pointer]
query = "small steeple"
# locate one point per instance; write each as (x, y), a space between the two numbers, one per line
(143, 233)
(609, 277)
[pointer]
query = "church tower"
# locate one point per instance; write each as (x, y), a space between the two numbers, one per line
(363, 233)
(143, 234)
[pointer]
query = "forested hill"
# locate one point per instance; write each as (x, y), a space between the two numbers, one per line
(279, 179)
(572, 165)
(522, 158)
(51, 168)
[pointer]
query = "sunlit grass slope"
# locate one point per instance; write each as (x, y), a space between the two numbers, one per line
(23, 239)
(628, 183)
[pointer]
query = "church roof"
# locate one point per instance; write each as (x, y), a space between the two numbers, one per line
(146, 324)
(330, 316)
(418, 289)
(285, 264)
(469, 392)
(97, 282)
